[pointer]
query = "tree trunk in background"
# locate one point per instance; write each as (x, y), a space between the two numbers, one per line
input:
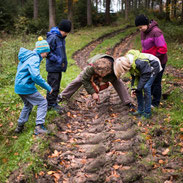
(89, 13)
(96, 1)
(174, 8)
(160, 6)
(107, 12)
(51, 13)
(70, 14)
(35, 9)
(152, 4)
(122, 3)
(126, 9)
(135, 5)
(167, 10)
(182, 12)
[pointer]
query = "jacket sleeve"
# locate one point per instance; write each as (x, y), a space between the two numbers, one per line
(145, 73)
(34, 71)
(86, 79)
(160, 43)
(53, 45)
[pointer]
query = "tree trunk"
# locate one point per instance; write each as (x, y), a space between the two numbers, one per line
(126, 9)
(70, 14)
(182, 12)
(35, 9)
(96, 1)
(107, 12)
(89, 13)
(52, 13)
(174, 8)
(122, 3)
(161, 6)
(167, 10)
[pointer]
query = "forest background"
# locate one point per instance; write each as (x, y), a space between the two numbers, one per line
(22, 21)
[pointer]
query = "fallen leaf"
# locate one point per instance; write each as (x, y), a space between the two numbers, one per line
(181, 129)
(68, 125)
(161, 161)
(1, 125)
(41, 173)
(14, 137)
(16, 154)
(11, 124)
(116, 167)
(166, 151)
(50, 172)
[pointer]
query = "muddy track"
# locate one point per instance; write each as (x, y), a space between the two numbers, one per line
(100, 142)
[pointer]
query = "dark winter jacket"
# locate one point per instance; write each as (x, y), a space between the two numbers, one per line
(89, 72)
(143, 67)
(153, 42)
(56, 60)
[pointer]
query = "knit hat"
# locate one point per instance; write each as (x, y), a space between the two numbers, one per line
(141, 20)
(102, 66)
(42, 46)
(121, 65)
(65, 25)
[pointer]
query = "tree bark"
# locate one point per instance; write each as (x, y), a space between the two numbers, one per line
(182, 12)
(107, 12)
(126, 9)
(70, 14)
(35, 9)
(52, 13)
(89, 13)
(167, 10)
(161, 6)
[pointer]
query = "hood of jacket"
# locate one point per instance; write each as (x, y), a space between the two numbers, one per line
(151, 26)
(98, 56)
(24, 54)
(55, 31)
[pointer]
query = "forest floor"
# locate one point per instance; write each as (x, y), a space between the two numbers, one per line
(101, 143)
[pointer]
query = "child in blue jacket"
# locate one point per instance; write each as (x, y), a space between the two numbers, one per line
(56, 62)
(143, 68)
(28, 74)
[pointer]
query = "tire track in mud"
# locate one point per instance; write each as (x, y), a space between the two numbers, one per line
(97, 142)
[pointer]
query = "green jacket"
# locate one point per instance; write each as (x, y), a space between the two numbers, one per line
(89, 72)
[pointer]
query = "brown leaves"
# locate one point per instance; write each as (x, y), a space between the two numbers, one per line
(166, 151)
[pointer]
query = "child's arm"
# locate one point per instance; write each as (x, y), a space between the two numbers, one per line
(145, 73)
(86, 79)
(52, 55)
(33, 68)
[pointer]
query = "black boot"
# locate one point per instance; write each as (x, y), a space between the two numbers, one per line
(19, 128)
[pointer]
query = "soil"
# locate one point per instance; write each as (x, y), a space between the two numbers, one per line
(101, 143)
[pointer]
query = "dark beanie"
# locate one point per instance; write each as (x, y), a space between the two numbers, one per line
(65, 25)
(141, 20)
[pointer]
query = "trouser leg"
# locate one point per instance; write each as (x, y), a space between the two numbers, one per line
(156, 88)
(72, 87)
(53, 80)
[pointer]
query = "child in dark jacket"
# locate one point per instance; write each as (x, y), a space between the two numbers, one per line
(28, 74)
(95, 78)
(143, 67)
(153, 42)
(56, 61)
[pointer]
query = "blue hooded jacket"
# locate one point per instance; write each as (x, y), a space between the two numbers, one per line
(28, 73)
(56, 60)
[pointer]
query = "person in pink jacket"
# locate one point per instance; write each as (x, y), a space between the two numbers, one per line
(153, 42)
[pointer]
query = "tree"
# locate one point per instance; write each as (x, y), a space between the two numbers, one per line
(35, 9)
(70, 14)
(168, 10)
(161, 6)
(107, 12)
(182, 12)
(126, 9)
(52, 13)
(89, 13)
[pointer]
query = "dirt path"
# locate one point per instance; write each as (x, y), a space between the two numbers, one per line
(101, 143)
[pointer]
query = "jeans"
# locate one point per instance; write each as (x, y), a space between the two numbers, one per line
(156, 88)
(29, 101)
(144, 99)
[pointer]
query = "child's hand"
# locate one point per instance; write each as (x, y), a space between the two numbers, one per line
(95, 96)
(133, 93)
(51, 91)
